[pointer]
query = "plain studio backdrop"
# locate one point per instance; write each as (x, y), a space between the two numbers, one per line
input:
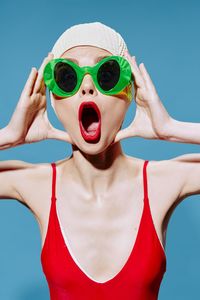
(162, 34)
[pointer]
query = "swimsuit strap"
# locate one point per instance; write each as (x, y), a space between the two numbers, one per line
(53, 195)
(145, 179)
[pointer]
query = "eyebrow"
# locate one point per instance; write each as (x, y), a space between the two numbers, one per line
(76, 61)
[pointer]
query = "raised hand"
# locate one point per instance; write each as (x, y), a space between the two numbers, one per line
(151, 118)
(29, 122)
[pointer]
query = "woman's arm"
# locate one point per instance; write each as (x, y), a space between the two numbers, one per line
(182, 132)
(187, 167)
(7, 140)
(12, 173)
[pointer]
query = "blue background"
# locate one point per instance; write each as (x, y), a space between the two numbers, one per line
(162, 34)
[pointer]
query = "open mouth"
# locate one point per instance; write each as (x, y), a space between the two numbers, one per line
(90, 121)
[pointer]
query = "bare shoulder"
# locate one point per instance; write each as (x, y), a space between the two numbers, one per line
(164, 186)
(26, 176)
(180, 174)
(160, 172)
(11, 172)
(33, 184)
(26, 182)
(162, 168)
(188, 168)
(168, 180)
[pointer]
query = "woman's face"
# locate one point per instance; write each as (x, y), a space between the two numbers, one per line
(112, 108)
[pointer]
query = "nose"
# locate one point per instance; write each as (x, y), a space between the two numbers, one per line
(87, 86)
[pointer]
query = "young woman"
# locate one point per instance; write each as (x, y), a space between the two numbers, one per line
(103, 215)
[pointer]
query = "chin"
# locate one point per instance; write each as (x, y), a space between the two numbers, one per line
(93, 148)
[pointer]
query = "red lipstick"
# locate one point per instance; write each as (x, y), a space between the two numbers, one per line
(90, 121)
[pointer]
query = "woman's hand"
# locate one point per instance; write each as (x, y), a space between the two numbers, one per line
(151, 119)
(29, 122)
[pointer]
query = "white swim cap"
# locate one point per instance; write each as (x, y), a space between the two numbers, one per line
(91, 34)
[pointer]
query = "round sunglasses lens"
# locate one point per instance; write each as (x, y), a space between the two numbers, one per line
(108, 75)
(65, 77)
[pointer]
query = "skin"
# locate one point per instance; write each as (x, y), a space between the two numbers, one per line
(97, 167)
(99, 188)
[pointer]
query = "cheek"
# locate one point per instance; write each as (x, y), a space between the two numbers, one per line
(65, 112)
(116, 112)
(113, 115)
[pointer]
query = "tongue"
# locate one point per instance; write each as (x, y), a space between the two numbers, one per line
(90, 122)
(92, 127)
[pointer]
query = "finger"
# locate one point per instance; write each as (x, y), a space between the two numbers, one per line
(39, 82)
(135, 89)
(133, 59)
(28, 87)
(135, 70)
(146, 76)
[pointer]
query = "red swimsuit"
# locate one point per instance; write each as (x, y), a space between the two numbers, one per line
(139, 279)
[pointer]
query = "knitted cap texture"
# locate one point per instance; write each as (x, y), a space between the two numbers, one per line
(93, 34)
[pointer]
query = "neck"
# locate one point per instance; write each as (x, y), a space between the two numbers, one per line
(100, 172)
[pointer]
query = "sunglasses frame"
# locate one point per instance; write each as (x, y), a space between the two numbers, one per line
(125, 79)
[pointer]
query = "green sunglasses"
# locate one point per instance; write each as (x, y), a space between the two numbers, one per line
(111, 75)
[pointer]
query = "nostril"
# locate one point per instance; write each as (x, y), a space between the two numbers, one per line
(90, 92)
